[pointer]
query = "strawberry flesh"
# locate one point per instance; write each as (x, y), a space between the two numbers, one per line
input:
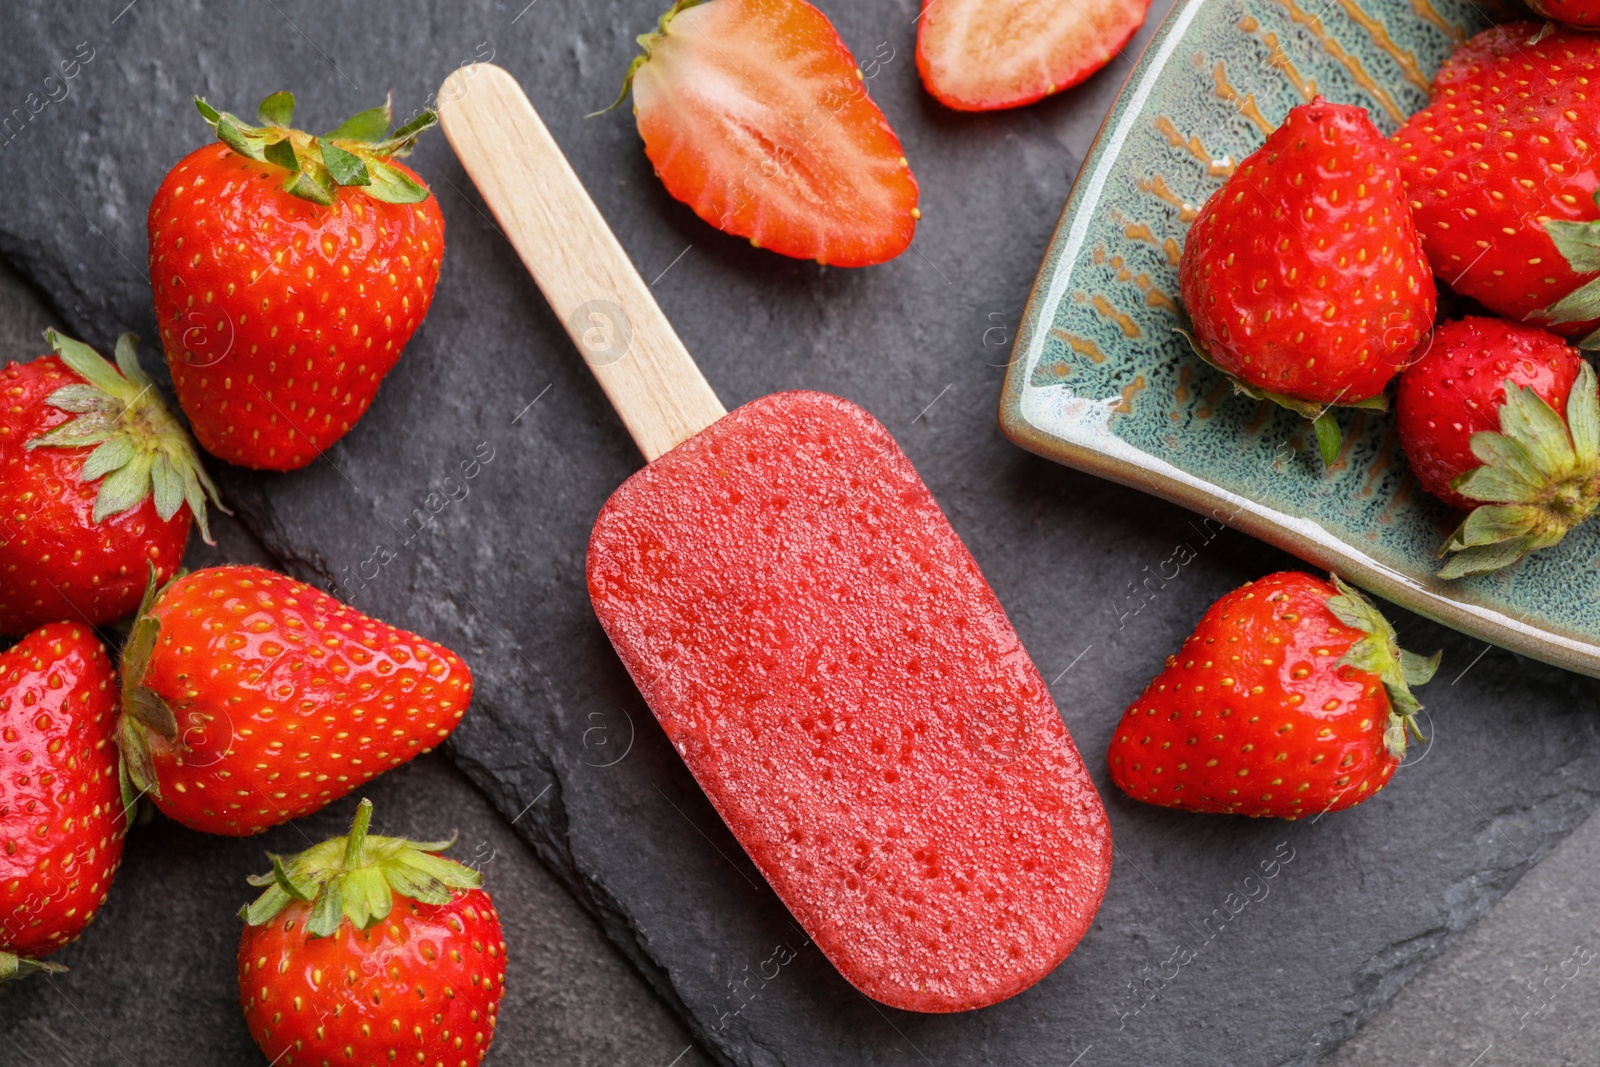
(982, 55)
(755, 115)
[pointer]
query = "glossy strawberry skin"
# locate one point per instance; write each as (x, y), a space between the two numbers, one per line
(286, 699)
(982, 55)
(1507, 143)
(61, 822)
(1584, 14)
(56, 562)
(754, 113)
(1303, 274)
(422, 986)
(1253, 717)
(280, 316)
(1456, 387)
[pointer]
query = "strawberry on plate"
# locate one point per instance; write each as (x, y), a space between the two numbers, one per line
(754, 113)
(98, 482)
(1502, 419)
(289, 272)
(1303, 274)
(370, 951)
(249, 699)
(61, 813)
(1291, 697)
(982, 55)
(1501, 171)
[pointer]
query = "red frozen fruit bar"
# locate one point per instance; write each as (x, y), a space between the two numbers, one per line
(823, 652)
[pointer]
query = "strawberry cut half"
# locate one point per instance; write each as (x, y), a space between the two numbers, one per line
(755, 115)
(984, 55)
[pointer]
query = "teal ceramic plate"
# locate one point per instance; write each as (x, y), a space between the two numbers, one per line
(1098, 379)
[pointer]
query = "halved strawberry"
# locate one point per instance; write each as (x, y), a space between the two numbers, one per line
(755, 115)
(982, 55)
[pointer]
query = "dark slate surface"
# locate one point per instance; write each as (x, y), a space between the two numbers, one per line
(1197, 957)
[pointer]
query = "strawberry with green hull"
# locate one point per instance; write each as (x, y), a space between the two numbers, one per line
(289, 273)
(249, 699)
(1303, 275)
(1501, 171)
(61, 813)
(1502, 420)
(754, 113)
(982, 55)
(99, 482)
(1291, 697)
(368, 951)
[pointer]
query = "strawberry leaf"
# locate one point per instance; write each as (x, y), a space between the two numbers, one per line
(277, 110)
(369, 125)
(1329, 437)
(392, 185)
(14, 966)
(344, 167)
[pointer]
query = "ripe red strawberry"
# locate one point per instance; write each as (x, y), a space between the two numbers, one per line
(1501, 173)
(1526, 459)
(250, 699)
(755, 115)
(1291, 697)
(61, 816)
(98, 482)
(1581, 13)
(1303, 274)
(980, 55)
(289, 271)
(371, 951)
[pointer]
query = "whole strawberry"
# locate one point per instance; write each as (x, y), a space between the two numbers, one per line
(61, 814)
(1502, 419)
(289, 272)
(754, 113)
(249, 699)
(98, 481)
(371, 951)
(1303, 274)
(1290, 698)
(1501, 174)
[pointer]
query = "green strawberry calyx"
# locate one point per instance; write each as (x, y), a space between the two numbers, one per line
(1379, 652)
(140, 449)
(144, 711)
(356, 153)
(646, 43)
(1540, 477)
(1330, 437)
(356, 878)
(14, 966)
(1579, 245)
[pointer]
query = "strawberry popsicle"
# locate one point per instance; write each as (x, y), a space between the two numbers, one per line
(810, 632)
(823, 652)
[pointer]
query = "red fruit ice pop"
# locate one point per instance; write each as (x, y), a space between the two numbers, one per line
(810, 632)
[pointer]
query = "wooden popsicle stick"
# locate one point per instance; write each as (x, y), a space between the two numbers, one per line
(563, 240)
